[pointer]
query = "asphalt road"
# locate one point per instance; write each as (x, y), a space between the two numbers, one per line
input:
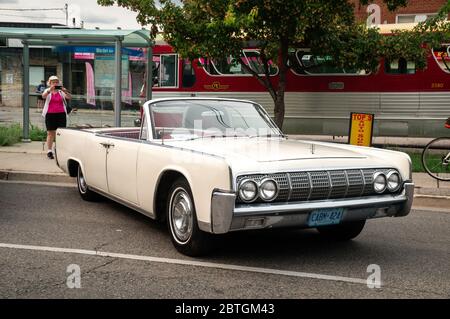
(413, 254)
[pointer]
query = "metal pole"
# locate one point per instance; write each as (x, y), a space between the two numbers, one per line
(26, 92)
(149, 74)
(118, 86)
(66, 9)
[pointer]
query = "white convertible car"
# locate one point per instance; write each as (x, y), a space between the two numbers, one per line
(212, 166)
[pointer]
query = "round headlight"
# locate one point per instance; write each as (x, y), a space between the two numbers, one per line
(393, 181)
(268, 189)
(248, 190)
(379, 182)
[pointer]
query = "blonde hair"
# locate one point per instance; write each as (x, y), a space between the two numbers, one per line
(52, 78)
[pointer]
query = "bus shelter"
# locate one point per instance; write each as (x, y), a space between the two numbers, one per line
(119, 39)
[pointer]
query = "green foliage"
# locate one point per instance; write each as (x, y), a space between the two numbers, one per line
(37, 134)
(220, 28)
(12, 134)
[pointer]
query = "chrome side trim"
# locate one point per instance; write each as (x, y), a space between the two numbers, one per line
(123, 202)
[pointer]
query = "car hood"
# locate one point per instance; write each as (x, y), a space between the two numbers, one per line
(265, 150)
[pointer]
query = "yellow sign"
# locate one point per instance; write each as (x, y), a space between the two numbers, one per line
(216, 86)
(361, 129)
(437, 85)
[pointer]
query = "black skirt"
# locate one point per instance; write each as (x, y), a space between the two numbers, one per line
(55, 120)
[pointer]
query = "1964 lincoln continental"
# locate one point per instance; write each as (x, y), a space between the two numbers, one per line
(211, 166)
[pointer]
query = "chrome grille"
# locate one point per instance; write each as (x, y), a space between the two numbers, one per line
(320, 185)
(300, 186)
(283, 184)
(355, 183)
(338, 184)
(368, 181)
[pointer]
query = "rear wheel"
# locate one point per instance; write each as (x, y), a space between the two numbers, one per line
(436, 158)
(342, 232)
(83, 188)
(187, 238)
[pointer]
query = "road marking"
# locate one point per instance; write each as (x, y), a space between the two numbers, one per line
(188, 263)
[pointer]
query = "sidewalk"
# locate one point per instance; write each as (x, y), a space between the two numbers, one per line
(28, 162)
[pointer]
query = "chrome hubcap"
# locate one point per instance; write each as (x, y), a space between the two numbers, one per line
(181, 215)
(81, 181)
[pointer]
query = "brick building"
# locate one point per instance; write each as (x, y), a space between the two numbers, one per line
(416, 11)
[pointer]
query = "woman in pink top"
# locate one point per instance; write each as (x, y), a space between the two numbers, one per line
(55, 110)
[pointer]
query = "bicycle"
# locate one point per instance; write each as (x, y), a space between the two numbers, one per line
(436, 157)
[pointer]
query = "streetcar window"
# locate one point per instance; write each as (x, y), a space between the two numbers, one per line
(442, 57)
(400, 66)
(294, 63)
(207, 65)
(232, 66)
(303, 62)
(188, 74)
(155, 68)
(168, 70)
(255, 62)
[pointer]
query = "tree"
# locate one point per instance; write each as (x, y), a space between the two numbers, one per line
(222, 28)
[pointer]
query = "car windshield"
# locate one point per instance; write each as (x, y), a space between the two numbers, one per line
(192, 119)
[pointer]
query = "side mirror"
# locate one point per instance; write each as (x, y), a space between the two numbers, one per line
(137, 122)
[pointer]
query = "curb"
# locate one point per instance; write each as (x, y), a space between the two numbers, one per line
(433, 192)
(35, 177)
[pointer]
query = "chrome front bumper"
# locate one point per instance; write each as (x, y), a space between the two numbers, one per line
(225, 217)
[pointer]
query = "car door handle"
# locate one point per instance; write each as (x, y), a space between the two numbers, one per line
(107, 145)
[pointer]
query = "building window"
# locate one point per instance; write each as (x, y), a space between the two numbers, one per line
(412, 18)
(37, 74)
(3, 42)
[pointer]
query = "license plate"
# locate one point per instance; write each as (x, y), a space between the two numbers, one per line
(326, 216)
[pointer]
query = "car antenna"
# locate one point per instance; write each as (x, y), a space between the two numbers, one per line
(162, 137)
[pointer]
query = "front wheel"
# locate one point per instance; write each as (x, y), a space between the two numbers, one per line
(436, 158)
(187, 238)
(83, 188)
(342, 232)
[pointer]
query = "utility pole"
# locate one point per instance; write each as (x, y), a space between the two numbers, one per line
(66, 9)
